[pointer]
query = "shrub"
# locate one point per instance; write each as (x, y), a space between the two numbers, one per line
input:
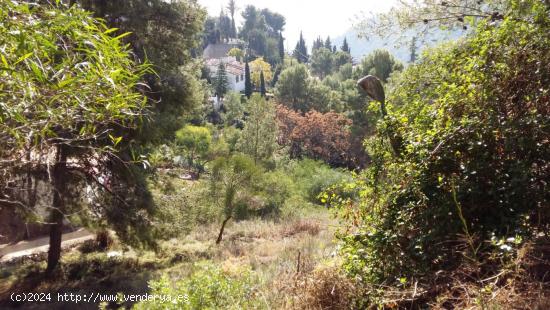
(208, 287)
(312, 177)
(474, 120)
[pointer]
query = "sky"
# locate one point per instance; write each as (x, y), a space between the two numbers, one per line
(314, 17)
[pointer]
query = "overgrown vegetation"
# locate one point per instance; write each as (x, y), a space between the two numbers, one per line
(472, 170)
(438, 187)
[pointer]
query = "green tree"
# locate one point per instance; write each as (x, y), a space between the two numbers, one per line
(221, 84)
(195, 142)
(292, 86)
(274, 21)
(339, 59)
(297, 90)
(379, 63)
(321, 62)
(247, 81)
(317, 44)
(234, 108)
(232, 7)
(69, 110)
(263, 90)
(259, 135)
(165, 33)
(231, 179)
(328, 44)
(300, 52)
(281, 47)
(345, 47)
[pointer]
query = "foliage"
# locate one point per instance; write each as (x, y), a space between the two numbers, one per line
(297, 90)
(221, 84)
(69, 93)
(231, 181)
(195, 142)
(258, 138)
(237, 53)
(263, 90)
(208, 287)
(316, 135)
(300, 52)
(261, 29)
(311, 178)
(257, 67)
(321, 62)
(379, 63)
(325, 62)
(474, 120)
(432, 15)
(234, 109)
(345, 47)
(165, 33)
(247, 81)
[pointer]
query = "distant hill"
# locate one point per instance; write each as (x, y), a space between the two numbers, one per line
(401, 50)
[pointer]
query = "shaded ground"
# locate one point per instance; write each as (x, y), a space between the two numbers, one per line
(36, 246)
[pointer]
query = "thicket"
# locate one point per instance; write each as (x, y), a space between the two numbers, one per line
(471, 183)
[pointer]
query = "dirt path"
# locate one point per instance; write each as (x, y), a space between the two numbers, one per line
(25, 248)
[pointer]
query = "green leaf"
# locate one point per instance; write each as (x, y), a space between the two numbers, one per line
(110, 30)
(22, 58)
(122, 36)
(4, 61)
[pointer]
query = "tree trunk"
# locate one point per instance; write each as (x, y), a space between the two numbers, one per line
(58, 207)
(220, 236)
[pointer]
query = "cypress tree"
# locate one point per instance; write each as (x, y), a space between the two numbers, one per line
(345, 46)
(317, 44)
(281, 47)
(276, 76)
(328, 44)
(300, 52)
(263, 91)
(247, 81)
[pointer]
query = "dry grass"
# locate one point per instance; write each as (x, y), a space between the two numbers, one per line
(521, 284)
(323, 287)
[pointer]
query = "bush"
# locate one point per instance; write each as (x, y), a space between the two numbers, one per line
(208, 287)
(474, 120)
(311, 178)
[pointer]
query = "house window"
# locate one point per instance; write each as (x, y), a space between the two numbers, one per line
(237, 79)
(242, 77)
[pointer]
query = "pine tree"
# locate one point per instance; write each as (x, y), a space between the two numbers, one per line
(263, 91)
(281, 47)
(259, 136)
(247, 81)
(345, 46)
(221, 82)
(328, 44)
(317, 44)
(413, 48)
(334, 49)
(300, 52)
(232, 9)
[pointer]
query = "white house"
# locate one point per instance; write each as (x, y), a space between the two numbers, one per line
(235, 72)
(216, 53)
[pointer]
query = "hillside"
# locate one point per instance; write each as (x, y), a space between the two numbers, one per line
(361, 47)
